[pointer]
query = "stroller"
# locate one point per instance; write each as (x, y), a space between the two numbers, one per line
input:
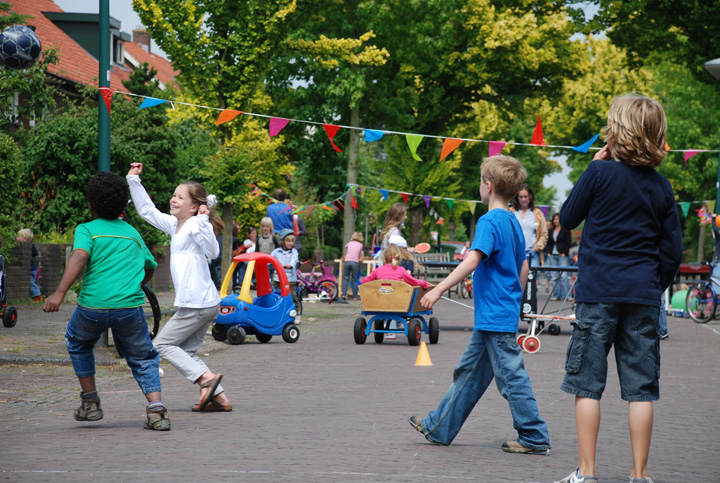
(9, 314)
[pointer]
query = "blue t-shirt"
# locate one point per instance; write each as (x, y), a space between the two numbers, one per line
(496, 279)
(281, 216)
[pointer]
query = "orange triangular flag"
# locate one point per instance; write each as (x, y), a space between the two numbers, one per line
(667, 147)
(449, 146)
(331, 132)
(227, 115)
(537, 137)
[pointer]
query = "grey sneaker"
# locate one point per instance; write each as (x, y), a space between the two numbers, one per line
(641, 480)
(515, 447)
(157, 419)
(89, 410)
(574, 477)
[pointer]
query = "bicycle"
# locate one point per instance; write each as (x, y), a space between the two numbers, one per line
(466, 287)
(321, 282)
(702, 299)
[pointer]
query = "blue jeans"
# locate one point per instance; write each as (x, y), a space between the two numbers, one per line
(534, 258)
(350, 277)
(631, 329)
(488, 355)
(130, 332)
(562, 287)
(662, 328)
(34, 288)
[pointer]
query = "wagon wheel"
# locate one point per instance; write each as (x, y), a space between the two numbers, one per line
(433, 330)
(359, 330)
(414, 332)
(379, 336)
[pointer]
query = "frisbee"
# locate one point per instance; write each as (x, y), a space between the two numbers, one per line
(422, 247)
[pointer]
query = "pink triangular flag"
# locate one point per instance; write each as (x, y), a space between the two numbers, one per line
(107, 94)
(496, 147)
(331, 132)
(277, 124)
(449, 145)
(691, 152)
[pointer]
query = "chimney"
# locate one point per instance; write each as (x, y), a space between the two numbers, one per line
(140, 36)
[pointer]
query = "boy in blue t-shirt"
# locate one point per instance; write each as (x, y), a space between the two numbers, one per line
(497, 257)
(114, 262)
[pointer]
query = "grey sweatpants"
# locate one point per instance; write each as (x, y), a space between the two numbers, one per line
(182, 336)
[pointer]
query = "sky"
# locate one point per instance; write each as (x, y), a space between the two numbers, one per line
(119, 9)
(123, 11)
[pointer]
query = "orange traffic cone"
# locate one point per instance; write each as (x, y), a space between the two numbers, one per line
(423, 357)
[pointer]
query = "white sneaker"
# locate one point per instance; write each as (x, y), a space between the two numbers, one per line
(390, 336)
(574, 477)
(298, 319)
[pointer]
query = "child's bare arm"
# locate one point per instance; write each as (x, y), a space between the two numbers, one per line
(524, 270)
(74, 268)
(458, 275)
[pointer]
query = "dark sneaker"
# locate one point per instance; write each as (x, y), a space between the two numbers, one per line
(157, 419)
(89, 410)
(515, 447)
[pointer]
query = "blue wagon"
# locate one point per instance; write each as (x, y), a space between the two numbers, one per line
(385, 301)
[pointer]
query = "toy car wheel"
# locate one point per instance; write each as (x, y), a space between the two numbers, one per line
(379, 336)
(264, 338)
(433, 330)
(10, 316)
(236, 335)
(359, 330)
(219, 332)
(414, 332)
(554, 329)
(330, 288)
(531, 344)
(291, 333)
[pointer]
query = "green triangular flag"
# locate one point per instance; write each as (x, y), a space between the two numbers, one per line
(685, 207)
(413, 141)
(450, 203)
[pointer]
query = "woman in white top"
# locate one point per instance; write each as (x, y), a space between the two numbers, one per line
(532, 221)
(193, 228)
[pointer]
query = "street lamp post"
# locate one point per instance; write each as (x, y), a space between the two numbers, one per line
(713, 66)
(104, 81)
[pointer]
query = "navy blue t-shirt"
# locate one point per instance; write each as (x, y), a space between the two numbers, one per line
(631, 244)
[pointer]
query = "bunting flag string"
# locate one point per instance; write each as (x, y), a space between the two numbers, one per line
(370, 135)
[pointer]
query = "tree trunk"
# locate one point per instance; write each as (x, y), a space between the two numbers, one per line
(352, 174)
(417, 215)
(701, 244)
(227, 217)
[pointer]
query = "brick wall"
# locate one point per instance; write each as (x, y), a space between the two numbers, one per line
(51, 265)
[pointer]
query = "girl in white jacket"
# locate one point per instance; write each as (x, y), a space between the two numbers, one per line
(193, 228)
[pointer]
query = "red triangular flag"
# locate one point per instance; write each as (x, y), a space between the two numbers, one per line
(331, 132)
(404, 197)
(537, 138)
(227, 115)
(354, 203)
(107, 94)
(449, 146)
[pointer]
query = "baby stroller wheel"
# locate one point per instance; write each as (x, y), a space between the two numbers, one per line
(219, 332)
(291, 333)
(236, 335)
(10, 316)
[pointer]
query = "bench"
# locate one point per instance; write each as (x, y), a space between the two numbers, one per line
(435, 274)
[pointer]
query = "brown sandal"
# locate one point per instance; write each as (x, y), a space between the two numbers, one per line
(213, 406)
(212, 384)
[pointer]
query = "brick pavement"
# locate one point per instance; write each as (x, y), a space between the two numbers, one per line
(326, 409)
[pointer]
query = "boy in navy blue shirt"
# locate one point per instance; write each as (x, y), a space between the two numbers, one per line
(497, 255)
(630, 250)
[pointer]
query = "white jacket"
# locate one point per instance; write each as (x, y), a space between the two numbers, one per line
(190, 250)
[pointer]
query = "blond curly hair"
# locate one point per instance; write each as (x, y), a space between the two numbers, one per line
(636, 131)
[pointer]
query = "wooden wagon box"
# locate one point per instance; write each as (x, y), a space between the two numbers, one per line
(391, 296)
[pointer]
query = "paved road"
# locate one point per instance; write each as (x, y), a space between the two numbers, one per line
(326, 409)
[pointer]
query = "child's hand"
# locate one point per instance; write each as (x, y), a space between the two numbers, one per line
(135, 169)
(604, 153)
(53, 302)
(430, 298)
(203, 210)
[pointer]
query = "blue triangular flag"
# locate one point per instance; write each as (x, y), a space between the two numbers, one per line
(384, 194)
(151, 101)
(372, 135)
(585, 147)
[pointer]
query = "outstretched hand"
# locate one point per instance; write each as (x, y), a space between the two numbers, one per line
(135, 169)
(430, 298)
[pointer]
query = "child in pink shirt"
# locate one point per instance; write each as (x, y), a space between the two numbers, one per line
(392, 270)
(351, 268)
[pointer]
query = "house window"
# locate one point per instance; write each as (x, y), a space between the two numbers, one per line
(12, 113)
(118, 51)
